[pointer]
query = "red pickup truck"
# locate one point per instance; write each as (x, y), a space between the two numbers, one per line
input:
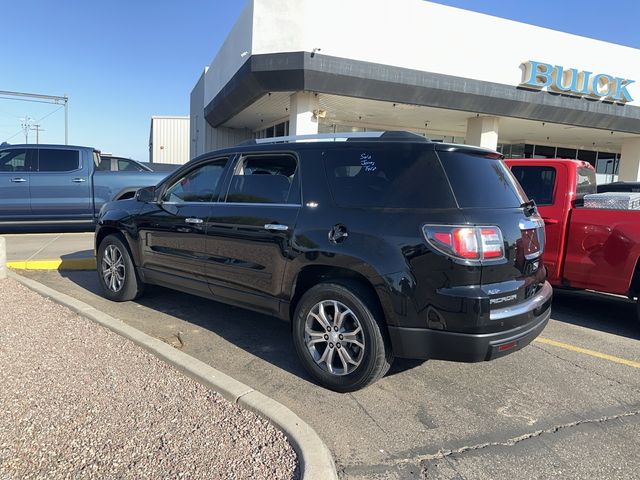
(585, 248)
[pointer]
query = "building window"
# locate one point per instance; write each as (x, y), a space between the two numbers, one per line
(597, 159)
(569, 153)
(278, 130)
(541, 151)
(607, 163)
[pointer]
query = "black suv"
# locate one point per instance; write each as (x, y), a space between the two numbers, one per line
(373, 246)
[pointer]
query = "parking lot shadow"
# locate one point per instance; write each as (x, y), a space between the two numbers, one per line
(79, 260)
(596, 311)
(260, 335)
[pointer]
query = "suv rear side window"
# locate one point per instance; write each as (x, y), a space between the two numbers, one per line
(480, 181)
(405, 176)
(265, 179)
(53, 160)
(537, 182)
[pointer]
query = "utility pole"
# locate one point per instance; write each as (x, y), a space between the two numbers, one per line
(27, 124)
(65, 99)
(37, 128)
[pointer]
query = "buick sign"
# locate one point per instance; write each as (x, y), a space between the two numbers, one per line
(557, 79)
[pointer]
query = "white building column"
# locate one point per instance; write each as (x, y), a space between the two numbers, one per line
(482, 132)
(302, 121)
(630, 160)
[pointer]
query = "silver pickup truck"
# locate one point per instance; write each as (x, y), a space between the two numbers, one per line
(60, 184)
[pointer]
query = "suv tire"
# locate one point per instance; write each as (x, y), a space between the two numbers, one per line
(339, 336)
(116, 271)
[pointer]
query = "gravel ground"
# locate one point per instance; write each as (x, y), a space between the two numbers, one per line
(78, 401)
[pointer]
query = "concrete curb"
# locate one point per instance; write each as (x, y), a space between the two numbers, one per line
(316, 462)
(57, 264)
(3, 258)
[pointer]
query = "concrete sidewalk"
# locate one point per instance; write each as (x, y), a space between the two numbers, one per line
(50, 251)
(79, 401)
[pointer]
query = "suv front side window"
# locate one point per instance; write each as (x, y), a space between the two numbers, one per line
(198, 185)
(265, 179)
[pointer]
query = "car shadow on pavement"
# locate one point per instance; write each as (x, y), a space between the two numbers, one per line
(77, 254)
(606, 313)
(263, 336)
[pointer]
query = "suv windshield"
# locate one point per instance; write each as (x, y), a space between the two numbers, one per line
(479, 181)
(406, 176)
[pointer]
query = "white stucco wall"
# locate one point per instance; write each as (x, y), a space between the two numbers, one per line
(196, 118)
(231, 55)
(413, 34)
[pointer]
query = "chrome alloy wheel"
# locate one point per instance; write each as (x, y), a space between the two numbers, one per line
(113, 269)
(334, 337)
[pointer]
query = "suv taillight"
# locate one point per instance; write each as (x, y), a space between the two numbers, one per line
(466, 243)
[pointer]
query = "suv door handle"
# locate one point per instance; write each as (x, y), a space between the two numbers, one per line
(276, 227)
(194, 221)
(18, 180)
(550, 221)
(78, 180)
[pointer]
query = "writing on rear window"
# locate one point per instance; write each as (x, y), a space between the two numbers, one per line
(388, 178)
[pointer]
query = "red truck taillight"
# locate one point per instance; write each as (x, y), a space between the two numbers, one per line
(467, 243)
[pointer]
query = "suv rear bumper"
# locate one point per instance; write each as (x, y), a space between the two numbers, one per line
(426, 343)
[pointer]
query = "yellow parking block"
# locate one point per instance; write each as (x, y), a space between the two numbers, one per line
(586, 351)
(57, 264)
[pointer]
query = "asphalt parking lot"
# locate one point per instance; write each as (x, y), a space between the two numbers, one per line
(568, 406)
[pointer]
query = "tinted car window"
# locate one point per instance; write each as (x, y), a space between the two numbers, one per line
(265, 179)
(125, 165)
(480, 181)
(537, 182)
(199, 185)
(13, 161)
(403, 177)
(50, 160)
(105, 164)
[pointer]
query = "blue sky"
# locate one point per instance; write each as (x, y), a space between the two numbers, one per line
(122, 61)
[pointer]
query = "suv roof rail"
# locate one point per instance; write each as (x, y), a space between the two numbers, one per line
(340, 137)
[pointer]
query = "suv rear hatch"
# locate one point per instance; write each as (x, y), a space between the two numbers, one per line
(489, 196)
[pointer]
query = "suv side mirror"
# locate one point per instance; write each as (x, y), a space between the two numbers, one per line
(146, 195)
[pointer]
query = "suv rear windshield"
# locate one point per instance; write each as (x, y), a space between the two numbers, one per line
(403, 177)
(481, 182)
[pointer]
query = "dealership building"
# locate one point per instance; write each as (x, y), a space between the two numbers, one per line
(295, 67)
